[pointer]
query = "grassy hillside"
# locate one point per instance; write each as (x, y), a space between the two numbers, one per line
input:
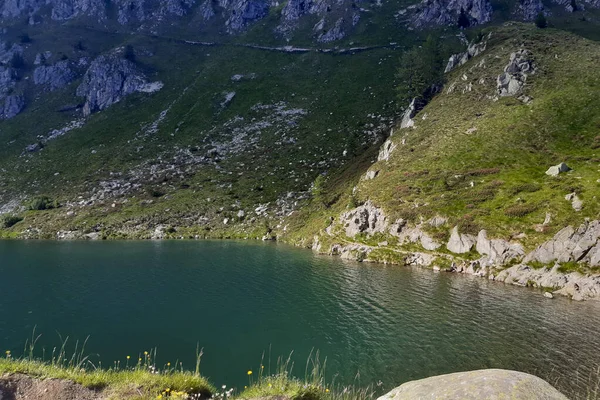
(480, 160)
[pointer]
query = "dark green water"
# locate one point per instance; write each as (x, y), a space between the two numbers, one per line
(389, 324)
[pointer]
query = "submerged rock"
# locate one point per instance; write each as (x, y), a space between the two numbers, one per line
(477, 385)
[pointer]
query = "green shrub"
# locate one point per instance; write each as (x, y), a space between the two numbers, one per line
(519, 210)
(10, 220)
(540, 21)
(528, 187)
(42, 203)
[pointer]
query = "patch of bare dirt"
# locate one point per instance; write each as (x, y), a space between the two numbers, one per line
(23, 387)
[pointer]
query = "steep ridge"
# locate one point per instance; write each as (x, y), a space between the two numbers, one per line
(476, 181)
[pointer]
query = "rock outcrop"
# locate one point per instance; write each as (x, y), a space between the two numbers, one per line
(473, 50)
(570, 245)
(497, 251)
(13, 105)
(511, 82)
(332, 34)
(460, 243)
(364, 219)
(54, 76)
(447, 12)
(109, 79)
(477, 385)
(416, 235)
(527, 10)
(386, 150)
(8, 80)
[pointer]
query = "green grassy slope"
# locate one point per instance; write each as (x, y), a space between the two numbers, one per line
(345, 102)
(482, 162)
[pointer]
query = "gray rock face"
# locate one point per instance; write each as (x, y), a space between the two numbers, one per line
(243, 12)
(109, 79)
(499, 252)
(409, 113)
(206, 10)
(570, 244)
(456, 60)
(13, 105)
(8, 80)
(460, 243)
(555, 170)
(364, 219)
(529, 9)
(446, 12)
(386, 150)
(329, 35)
(414, 235)
(477, 385)
(515, 74)
(55, 76)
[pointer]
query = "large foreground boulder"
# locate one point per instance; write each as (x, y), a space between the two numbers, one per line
(485, 384)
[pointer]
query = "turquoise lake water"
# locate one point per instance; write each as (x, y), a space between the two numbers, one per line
(373, 323)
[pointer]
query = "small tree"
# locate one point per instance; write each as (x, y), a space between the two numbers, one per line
(463, 19)
(129, 53)
(17, 61)
(574, 5)
(420, 69)
(540, 21)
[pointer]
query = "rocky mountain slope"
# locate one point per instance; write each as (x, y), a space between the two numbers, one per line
(498, 176)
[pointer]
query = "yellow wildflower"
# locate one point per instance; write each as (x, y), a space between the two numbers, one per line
(249, 372)
(168, 364)
(327, 390)
(128, 357)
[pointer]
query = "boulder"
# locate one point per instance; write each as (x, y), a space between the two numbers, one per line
(576, 202)
(569, 244)
(477, 385)
(498, 251)
(364, 219)
(460, 243)
(371, 174)
(54, 76)
(557, 169)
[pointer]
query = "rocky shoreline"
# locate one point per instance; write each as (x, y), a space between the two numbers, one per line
(562, 265)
